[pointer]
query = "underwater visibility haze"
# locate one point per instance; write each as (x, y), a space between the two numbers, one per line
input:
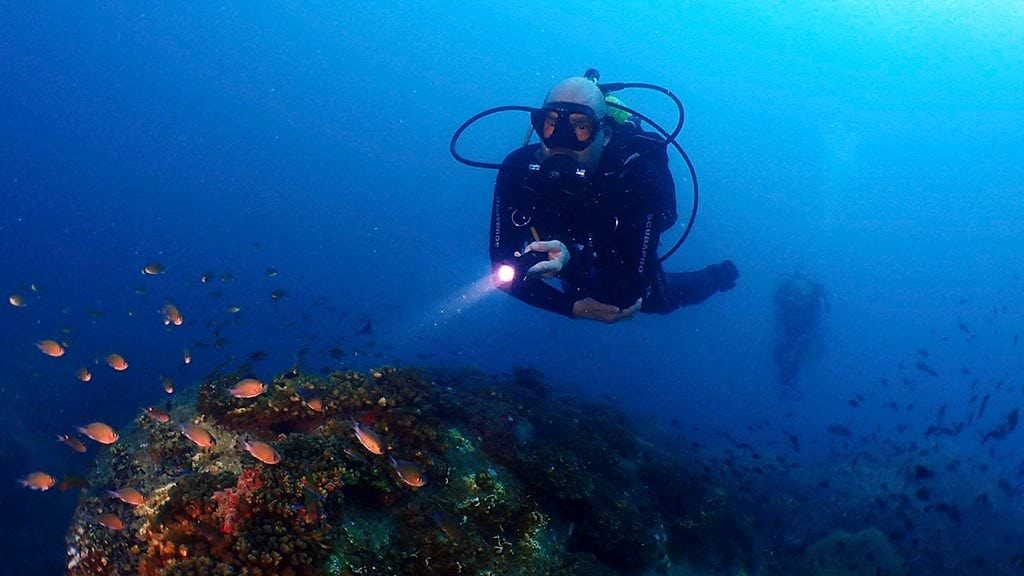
(249, 326)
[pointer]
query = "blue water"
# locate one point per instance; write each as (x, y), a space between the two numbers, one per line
(876, 147)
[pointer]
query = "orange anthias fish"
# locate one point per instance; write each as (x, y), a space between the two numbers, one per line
(199, 435)
(38, 481)
(72, 442)
(110, 521)
(263, 452)
(368, 438)
(153, 268)
(50, 348)
(83, 374)
(17, 300)
(408, 472)
(248, 388)
(311, 400)
(171, 315)
(100, 432)
(117, 362)
(157, 414)
(185, 356)
(128, 495)
(168, 384)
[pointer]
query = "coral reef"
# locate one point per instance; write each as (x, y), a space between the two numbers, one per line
(478, 475)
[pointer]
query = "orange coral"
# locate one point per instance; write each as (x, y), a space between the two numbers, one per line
(232, 502)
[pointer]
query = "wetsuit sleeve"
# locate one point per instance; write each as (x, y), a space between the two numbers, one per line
(506, 238)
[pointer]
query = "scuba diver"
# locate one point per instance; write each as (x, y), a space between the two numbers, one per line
(799, 307)
(587, 206)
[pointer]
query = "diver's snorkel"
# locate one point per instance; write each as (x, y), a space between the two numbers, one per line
(562, 172)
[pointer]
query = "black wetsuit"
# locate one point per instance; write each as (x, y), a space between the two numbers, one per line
(611, 228)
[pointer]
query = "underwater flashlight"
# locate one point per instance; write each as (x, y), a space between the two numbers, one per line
(506, 273)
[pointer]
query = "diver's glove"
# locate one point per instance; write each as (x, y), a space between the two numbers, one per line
(558, 257)
(724, 275)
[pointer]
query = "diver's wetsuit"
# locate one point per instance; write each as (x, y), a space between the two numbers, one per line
(611, 228)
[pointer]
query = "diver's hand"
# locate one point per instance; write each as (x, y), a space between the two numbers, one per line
(725, 275)
(591, 309)
(558, 257)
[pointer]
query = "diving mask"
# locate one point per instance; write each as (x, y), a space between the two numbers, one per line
(566, 125)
